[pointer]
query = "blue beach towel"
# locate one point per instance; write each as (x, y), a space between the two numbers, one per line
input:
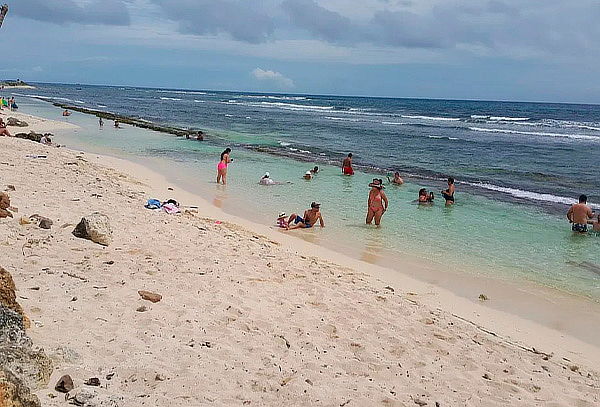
(153, 204)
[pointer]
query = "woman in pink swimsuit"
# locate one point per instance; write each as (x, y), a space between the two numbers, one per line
(378, 202)
(222, 167)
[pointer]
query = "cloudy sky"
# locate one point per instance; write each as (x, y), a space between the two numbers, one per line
(547, 50)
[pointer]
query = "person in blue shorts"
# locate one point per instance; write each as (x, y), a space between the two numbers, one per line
(310, 218)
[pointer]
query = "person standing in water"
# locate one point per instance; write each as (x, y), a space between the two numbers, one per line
(448, 194)
(378, 202)
(579, 214)
(222, 166)
(347, 165)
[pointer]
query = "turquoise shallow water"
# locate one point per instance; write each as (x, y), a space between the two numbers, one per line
(477, 235)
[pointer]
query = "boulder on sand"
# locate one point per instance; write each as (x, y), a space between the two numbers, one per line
(13, 121)
(4, 205)
(94, 227)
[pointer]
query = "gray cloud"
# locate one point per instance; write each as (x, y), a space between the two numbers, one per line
(242, 20)
(324, 24)
(106, 12)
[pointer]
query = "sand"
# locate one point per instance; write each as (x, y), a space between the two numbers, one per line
(249, 315)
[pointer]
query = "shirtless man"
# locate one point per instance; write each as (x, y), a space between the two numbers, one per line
(310, 218)
(347, 165)
(579, 214)
(3, 130)
(448, 194)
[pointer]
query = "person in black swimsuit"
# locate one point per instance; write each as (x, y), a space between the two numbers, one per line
(448, 194)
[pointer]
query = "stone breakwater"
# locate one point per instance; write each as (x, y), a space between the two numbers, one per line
(144, 124)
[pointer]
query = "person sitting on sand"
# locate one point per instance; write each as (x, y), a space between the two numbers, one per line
(347, 165)
(45, 140)
(424, 197)
(579, 215)
(397, 180)
(448, 194)
(315, 170)
(3, 130)
(66, 113)
(310, 218)
(308, 175)
(281, 221)
(377, 203)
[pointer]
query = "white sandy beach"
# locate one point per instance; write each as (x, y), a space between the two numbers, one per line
(249, 315)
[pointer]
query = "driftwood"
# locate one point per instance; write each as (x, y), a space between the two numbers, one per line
(3, 11)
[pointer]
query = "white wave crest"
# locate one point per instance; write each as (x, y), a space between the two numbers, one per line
(536, 133)
(518, 193)
(174, 99)
(420, 117)
(181, 92)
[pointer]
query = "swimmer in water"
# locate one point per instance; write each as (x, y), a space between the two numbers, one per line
(397, 180)
(424, 197)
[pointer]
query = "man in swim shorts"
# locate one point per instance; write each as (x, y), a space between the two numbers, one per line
(579, 215)
(448, 194)
(310, 218)
(347, 165)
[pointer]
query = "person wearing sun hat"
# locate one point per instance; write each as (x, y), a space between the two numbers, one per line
(310, 218)
(281, 222)
(378, 202)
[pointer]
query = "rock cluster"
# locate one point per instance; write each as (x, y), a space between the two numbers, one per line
(12, 121)
(33, 136)
(22, 367)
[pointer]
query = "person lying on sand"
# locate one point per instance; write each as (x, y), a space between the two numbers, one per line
(424, 197)
(3, 130)
(310, 218)
(397, 180)
(579, 214)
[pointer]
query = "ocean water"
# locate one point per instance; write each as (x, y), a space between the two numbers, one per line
(518, 166)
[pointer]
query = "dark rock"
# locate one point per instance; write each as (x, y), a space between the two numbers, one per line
(93, 381)
(13, 121)
(5, 205)
(94, 227)
(42, 221)
(32, 136)
(64, 384)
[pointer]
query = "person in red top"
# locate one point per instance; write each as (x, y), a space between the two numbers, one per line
(347, 165)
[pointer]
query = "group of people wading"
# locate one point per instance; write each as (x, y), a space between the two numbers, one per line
(377, 203)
